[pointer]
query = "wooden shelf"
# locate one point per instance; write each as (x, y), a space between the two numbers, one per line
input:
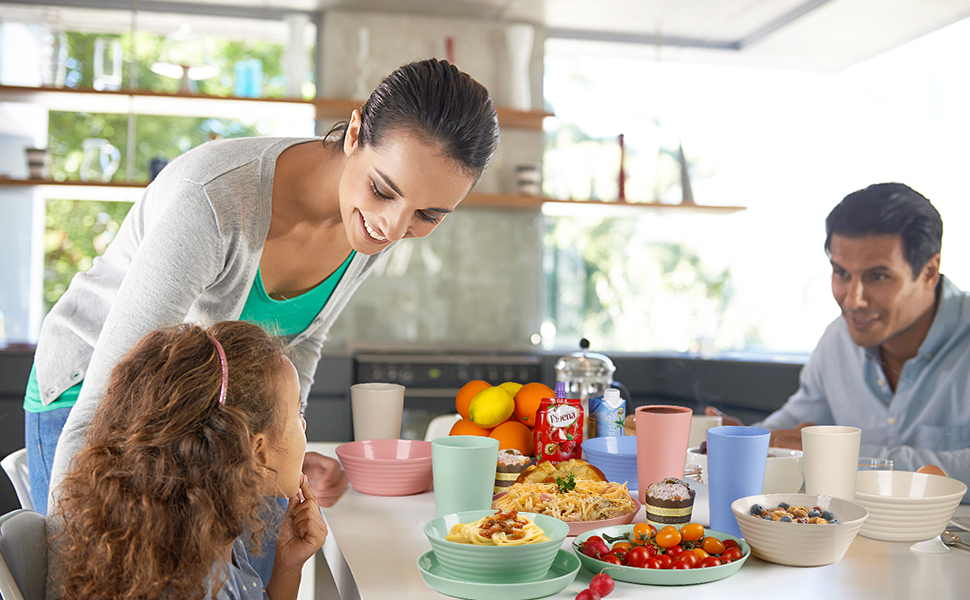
(145, 102)
(82, 190)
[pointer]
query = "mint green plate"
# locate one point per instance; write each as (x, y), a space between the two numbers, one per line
(660, 576)
(561, 574)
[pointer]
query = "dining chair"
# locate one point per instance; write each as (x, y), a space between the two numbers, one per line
(23, 555)
(440, 426)
(15, 465)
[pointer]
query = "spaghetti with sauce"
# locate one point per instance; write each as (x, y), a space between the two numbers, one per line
(500, 529)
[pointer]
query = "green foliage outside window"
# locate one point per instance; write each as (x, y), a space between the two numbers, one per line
(77, 230)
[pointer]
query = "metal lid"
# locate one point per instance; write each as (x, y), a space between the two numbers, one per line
(585, 363)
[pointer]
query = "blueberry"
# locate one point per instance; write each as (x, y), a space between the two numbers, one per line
(786, 519)
(827, 515)
(756, 509)
(767, 518)
(813, 513)
(834, 522)
(703, 447)
(783, 505)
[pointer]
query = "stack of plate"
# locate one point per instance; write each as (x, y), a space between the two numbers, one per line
(616, 457)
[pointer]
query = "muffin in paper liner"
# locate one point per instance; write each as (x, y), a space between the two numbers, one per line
(669, 502)
(510, 464)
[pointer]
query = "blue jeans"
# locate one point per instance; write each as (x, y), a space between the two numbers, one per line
(41, 432)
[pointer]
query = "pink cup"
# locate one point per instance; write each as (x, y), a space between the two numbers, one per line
(662, 434)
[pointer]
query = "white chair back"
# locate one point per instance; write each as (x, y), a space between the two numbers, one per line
(440, 426)
(23, 555)
(15, 464)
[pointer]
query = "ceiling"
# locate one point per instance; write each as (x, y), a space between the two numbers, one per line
(824, 35)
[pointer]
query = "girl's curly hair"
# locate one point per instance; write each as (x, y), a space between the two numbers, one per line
(168, 478)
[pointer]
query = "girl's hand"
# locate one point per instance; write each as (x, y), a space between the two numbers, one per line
(326, 476)
(303, 530)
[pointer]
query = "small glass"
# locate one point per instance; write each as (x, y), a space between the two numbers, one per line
(875, 464)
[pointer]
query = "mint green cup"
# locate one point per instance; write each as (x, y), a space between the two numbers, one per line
(464, 473)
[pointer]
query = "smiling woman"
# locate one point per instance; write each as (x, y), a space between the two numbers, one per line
(276, 231)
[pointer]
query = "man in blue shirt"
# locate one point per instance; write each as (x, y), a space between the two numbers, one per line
(897, 364)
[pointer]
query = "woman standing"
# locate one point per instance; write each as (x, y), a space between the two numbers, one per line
(275, 231)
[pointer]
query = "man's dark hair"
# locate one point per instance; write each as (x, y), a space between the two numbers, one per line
(890, 209)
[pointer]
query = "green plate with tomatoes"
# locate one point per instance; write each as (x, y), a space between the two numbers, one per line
(659, 576)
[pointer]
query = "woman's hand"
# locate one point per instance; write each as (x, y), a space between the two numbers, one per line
(326, 476)
(302, 532)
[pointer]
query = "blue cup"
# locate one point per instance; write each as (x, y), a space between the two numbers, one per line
(736, 460)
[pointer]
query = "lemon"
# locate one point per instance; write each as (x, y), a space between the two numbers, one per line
(491, 406)
(511, 387)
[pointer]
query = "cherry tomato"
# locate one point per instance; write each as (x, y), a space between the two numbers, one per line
(637, 557)
(692, 531)
(690, 558)
(667, 538)
(700, 553)
(710, 561)
(732, 554)
(679, 564)
(674, 551)
(652, 563)
(644, 529)
(665, 560)
(620, 553)
(712, 545)
(729, 543)
(594, 538)
(622, 546)
(612, 559)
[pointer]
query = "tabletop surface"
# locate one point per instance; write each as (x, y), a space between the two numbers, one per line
(377, 540)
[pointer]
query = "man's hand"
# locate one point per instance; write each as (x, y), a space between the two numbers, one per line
(726, 420)
(788, 438)
(326, 476)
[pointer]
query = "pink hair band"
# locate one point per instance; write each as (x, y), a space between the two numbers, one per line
(225, 369)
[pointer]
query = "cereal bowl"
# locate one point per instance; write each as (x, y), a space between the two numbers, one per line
(784, 473)
(615, 456)
(799, 544)
(494, 564)
(387, 467)
(905, 506)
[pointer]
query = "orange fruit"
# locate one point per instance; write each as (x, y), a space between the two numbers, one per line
(527, 401)
(515, 435)
(468, 391)
(466, 427)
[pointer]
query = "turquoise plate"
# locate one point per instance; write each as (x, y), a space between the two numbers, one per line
(561, 574)
(660, 576)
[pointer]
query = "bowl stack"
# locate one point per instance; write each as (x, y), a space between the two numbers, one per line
(799, 544)
(905, 506)
(616, 457)
(494, 564)
(387, 467)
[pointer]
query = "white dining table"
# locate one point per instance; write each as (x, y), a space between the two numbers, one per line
(374, 543)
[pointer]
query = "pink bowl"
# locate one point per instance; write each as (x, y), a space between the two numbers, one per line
(387, 467)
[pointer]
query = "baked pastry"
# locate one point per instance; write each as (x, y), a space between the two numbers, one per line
(669, 502)
(510, 465)
(547, 472)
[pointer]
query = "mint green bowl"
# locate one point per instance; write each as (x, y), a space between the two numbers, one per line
(494, 564)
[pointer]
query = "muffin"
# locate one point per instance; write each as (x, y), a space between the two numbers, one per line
(669, 502)
(510, 465)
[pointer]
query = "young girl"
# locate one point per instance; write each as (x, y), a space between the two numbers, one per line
(164, 499)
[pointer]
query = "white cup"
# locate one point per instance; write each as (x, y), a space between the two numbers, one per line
(377, 410)
(831, 460)
(699, 424)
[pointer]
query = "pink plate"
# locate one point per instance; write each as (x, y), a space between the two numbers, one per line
(578, 527)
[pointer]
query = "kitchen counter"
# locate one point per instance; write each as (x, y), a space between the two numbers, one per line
(375, 542)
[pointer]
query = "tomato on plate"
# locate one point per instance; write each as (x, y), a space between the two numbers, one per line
(690, 558)
(710, 561)
(641, 530)
(700, 553)
(733, 553)
(674, 551)
(665, 560)
(679, 564)
(653, 563)
(712, 545)
(667, 538)
(692, 532)
(637, 557)
(731, 543)
(612, 559)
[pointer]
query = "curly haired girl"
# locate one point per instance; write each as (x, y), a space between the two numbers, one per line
(164, 500)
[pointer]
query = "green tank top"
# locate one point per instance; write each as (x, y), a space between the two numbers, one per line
(279, 317)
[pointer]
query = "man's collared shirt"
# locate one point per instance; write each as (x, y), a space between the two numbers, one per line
(925, 421)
